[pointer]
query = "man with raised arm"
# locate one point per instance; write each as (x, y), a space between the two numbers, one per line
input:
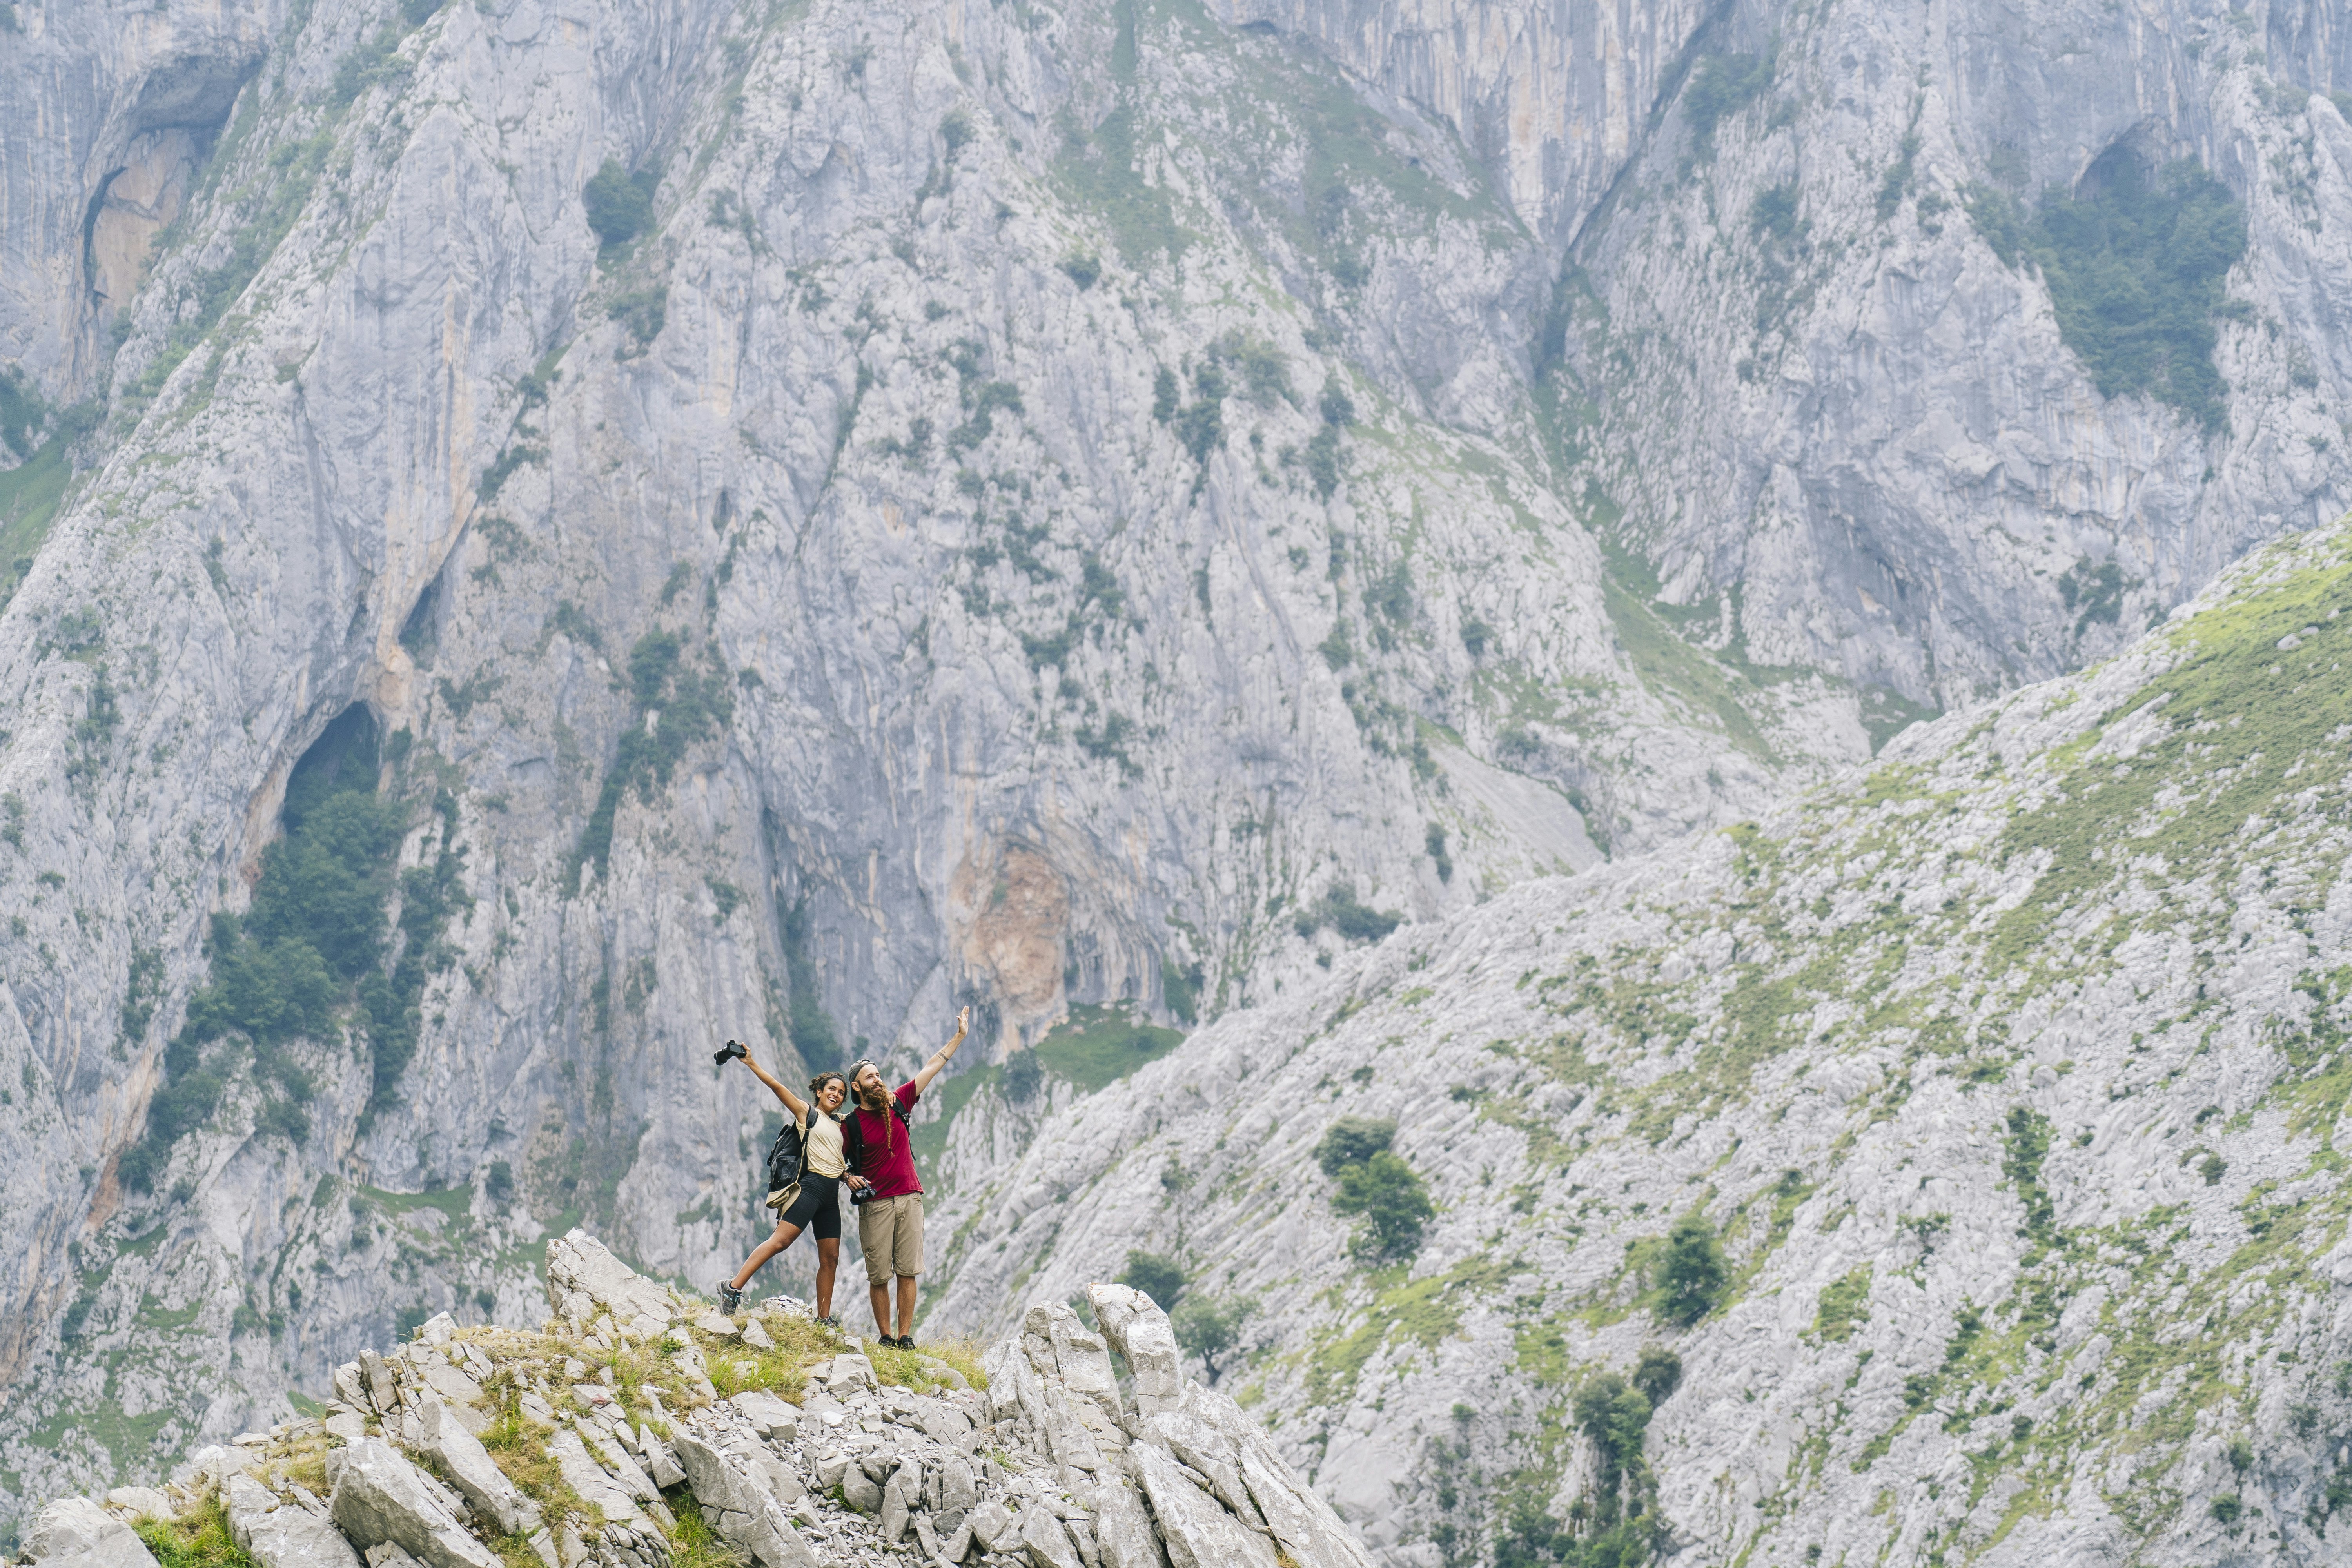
(889, 1194)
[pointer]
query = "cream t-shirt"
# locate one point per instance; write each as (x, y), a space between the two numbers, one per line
(825, 1157)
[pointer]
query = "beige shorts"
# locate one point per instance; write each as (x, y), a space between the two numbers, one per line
(891, 1232)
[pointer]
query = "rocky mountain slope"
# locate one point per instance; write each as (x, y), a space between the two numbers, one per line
(1940, 1168)
(604, 1439)
(542, 535)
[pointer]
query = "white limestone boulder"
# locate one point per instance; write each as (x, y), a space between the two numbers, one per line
(378, 1495)
(277, 1534)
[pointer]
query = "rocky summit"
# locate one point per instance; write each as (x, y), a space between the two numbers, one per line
(639, 1427)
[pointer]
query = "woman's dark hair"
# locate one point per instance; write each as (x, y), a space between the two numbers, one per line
(816, 1085)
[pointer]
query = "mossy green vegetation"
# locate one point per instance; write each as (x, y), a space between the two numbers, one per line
(197, 1537)
(302, 952)
(687, 702)
(2136, 267)
(1097, 1046)
(1424, 1311)
(1374, 1183)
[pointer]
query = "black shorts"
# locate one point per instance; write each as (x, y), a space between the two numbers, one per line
(818, 1208)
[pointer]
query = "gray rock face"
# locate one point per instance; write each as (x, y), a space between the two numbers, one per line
(283, 1535)
(1138, 1330)
(1887, 1073)
(1196, 1529)
(992, 1526)
(379, 1496)
(471, 1471)
(747, 1511)
(585, 1279)
(75, 1532)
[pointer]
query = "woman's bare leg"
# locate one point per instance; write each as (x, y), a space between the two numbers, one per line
(828, 1259)
(786, 1233)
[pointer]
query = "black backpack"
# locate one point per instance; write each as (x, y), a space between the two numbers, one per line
(788, 1155)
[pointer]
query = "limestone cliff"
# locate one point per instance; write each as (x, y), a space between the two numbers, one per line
(1940, 1167)
(540, 535)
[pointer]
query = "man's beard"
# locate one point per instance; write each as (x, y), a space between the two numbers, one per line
(874, 1099)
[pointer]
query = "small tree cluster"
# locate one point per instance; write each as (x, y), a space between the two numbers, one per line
(1693, 1273)
(1374, 1183)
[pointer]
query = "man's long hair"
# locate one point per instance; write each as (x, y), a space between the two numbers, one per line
(881, 1106)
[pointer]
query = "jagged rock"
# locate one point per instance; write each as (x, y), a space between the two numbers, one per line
(957, 1488)
(1046, 1542)
(660, 1462)
(75, 1532)
(769, 1415)
(584, 1475)
(1083, 1359)
(757, 1337)
(991, 1525)
(859, 1492)
(1123, 1532)
(746, 1515)
(378, 1495)
(283, 1535)
(352, 1387)
(611, 1453)
(582, 1276)
(472, 1471)
(848, 1371)
(1197, 1531)
(437, 1330)
(895, 1512)
(1135, 1326)
(455, 1386)
(382, 1389)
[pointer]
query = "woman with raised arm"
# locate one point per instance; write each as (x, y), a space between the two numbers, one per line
(804, 1171)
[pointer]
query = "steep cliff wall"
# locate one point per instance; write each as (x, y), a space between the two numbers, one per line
(1941, 1167)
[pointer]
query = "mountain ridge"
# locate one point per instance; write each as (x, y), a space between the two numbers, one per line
(1946, 1063)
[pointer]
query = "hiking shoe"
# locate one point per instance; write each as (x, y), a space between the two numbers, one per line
(730, 1299)
(906, 1341)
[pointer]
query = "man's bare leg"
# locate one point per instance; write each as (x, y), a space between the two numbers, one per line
(878, 1298)
(907, 1308)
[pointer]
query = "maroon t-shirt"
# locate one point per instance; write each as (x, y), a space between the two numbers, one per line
(887, 1155)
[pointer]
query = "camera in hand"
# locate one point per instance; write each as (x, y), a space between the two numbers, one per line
(861, 1194)
(732, 1048)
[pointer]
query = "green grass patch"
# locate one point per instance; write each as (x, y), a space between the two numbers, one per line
(30, 494)
(1098, 1045)
(2239, 717)
(1843, 1306)
(198, 1538)
(1424, 1311)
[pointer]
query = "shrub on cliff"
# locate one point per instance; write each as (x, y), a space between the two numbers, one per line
(1693, 1273)
(1376, 1183)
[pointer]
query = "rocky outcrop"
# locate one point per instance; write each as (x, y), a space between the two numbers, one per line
(75, 1532)
(1052, 1468)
